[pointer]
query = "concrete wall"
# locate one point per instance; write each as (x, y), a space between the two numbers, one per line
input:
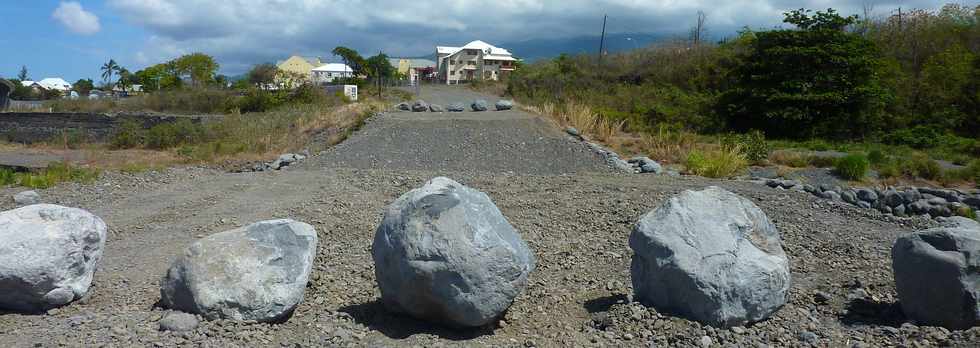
(32, 127)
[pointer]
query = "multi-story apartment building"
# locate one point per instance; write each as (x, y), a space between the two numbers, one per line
(477, 60)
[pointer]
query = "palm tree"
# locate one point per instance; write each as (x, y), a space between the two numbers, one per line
(108, 69)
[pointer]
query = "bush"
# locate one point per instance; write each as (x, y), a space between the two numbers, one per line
(853, 166)
(168, 135)
(716, 163)
(921, 166)
(753, 144)
(50, 176)
(130, 134)
(919, 137)
(877, 157)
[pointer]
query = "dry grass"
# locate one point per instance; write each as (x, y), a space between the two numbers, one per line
(717, 161)
(582, 118)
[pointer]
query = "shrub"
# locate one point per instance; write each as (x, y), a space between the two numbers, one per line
(789, 159)
(919, 137)
(966, 212)
(753, 144)
(877, 157)
(716, 163)
(852, 167)
(921, 166)
(130, 134)
(50, 176)
(168, 135)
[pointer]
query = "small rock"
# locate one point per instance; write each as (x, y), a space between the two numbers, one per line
(821, 297)
(403, 107)
(456, 107)
(809, 338)
(706, 341)
(27, 198)
(572, 131)
(867, 195)
(178, 322)
(420, 106)
(435, 108)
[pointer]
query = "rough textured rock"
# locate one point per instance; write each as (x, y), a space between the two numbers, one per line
(937, 276)
(849, 196)
(445, 253)
(178, 322)
(647, 165)
(710, 256)
(436, 108)
(892, 198)
(420, 106)
(27, 198)
(502, 105)
(403, 107)
(258, 272)
(456, 107)
(572, 131)
(480, 105)
(48, 255)
(867, 195)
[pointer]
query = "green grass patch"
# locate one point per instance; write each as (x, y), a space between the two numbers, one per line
(721, 162)
(853, 166)
(48, 177)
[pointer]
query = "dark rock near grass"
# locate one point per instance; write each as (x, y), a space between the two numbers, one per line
(446, 254)
(456, 107)
(867, 195)
(480, 105)
(403, 107)
(892, 198)
(849, 196)
(420, 106)
(937, 276)
(503, 105)
(710, 256)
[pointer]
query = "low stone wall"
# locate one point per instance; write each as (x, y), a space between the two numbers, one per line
(32, 127)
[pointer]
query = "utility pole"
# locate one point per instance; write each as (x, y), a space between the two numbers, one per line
(602, 38)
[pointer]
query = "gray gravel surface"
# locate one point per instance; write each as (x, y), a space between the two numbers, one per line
(577, 224)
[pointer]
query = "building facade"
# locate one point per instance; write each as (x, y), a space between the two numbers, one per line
(300, 66)
(476, 60)
(327, 73)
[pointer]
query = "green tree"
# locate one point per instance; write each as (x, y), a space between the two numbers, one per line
(817, 80)
(379, 66)
(83, 86)
(109, 69)
(125, 78)
(22, 75)
(201, 68)
(262, 74)
(351, 58)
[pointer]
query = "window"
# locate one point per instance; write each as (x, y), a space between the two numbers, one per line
(452, 73)
(471, 63)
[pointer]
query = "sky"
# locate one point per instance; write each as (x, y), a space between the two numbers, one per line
(72, 39)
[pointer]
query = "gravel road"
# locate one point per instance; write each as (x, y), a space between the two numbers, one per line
(574, 213)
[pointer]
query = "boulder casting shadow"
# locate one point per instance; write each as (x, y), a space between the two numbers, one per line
(399, 326)
(863, 311)
(603, 304)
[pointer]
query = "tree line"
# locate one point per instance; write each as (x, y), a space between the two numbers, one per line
(906, 77)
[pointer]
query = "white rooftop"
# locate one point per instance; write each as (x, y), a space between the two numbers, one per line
(55, 83)
(476, 45)
(334, 67)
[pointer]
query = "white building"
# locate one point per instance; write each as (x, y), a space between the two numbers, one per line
(476, 60)
(56, 84)
(327, 73)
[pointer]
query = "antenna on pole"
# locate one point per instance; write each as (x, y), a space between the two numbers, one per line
(602, 38)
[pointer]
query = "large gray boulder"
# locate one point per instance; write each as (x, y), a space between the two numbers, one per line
(937, 276)
(480, 105)
(445, 253)
(710, 256)
(48, 255)
(502, 105)
(255, 273)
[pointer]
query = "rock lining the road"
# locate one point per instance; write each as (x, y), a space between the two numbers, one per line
(48, 256)
(445, 253)
(937, 275)
(710, 256)
(27, 198)
(258, 272)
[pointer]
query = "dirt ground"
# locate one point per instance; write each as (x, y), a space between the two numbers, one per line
(575, 213)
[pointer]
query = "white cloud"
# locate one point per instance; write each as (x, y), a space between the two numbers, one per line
(244, 32)
(76, 19)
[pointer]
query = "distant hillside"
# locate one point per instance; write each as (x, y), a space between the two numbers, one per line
(533, 50)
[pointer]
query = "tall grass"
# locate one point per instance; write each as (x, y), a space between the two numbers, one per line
(582, 118)
(50, 176)
(717, 162)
